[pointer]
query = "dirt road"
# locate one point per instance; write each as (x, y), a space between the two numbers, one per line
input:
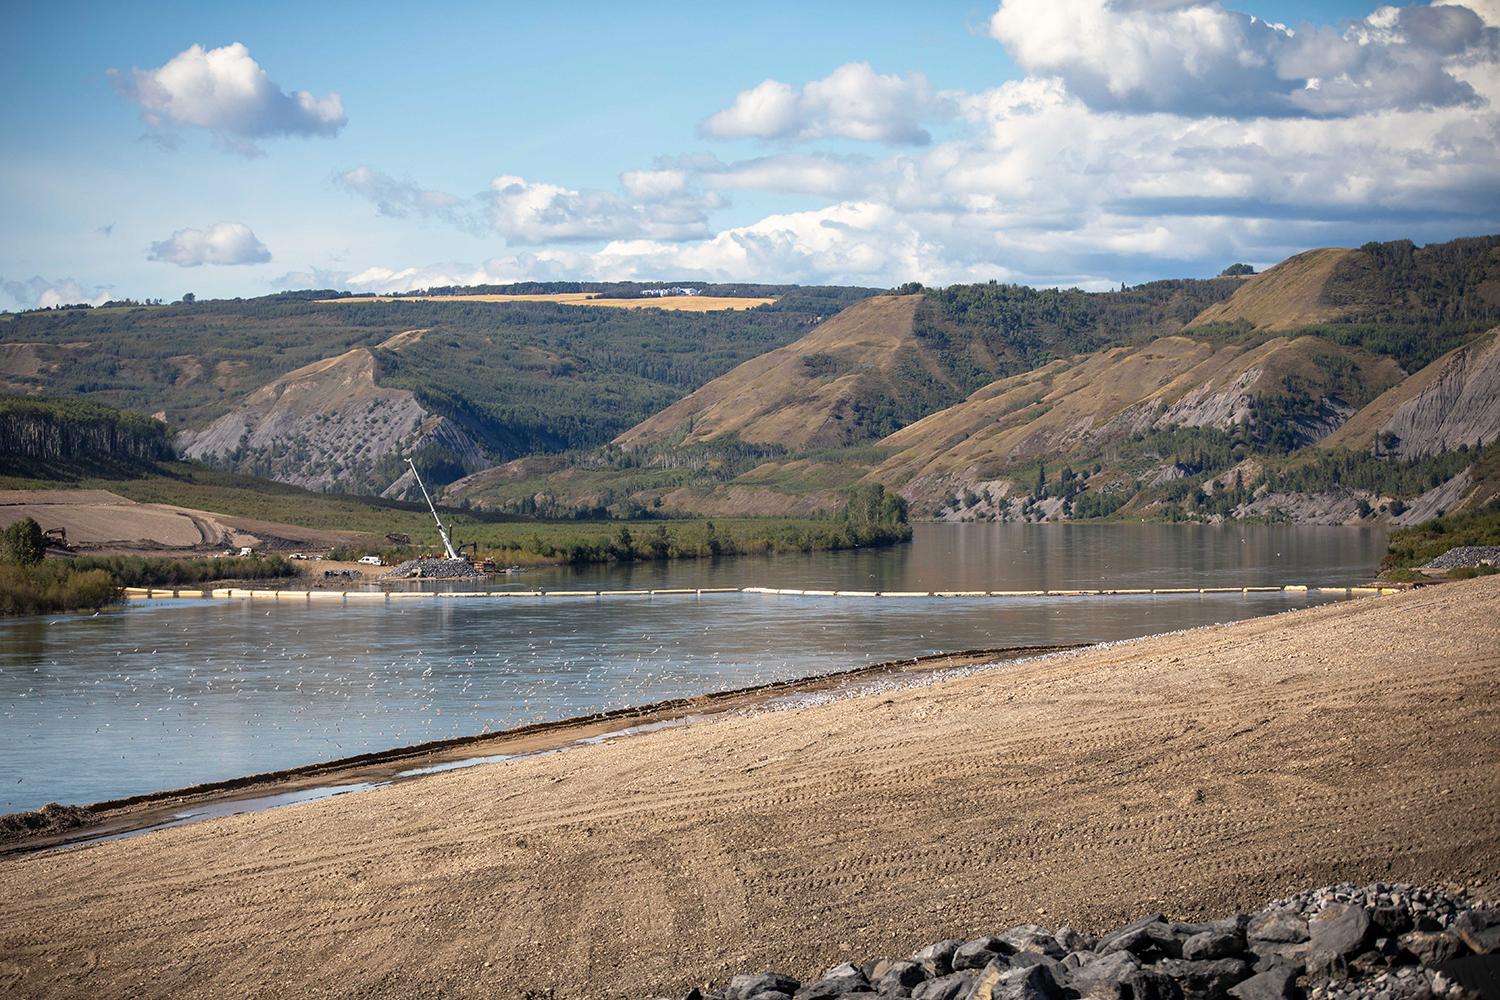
(1193, 773)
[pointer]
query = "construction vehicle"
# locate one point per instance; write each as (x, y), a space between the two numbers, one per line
(442, 531)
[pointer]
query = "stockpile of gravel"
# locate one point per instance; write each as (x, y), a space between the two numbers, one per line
(1385, 942)
(433, 569)
(1466, 555)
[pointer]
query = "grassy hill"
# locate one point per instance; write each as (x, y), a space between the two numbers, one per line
(961, 397)
(890, 360)
(508, 378)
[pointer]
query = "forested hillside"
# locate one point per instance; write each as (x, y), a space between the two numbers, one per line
(512, 378)
(51, 433)
(964, 400)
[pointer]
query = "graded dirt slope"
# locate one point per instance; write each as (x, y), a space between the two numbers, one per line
(99, 520)
(1195, 773)
(1453, 401)
(800, 395)
(1284, 297)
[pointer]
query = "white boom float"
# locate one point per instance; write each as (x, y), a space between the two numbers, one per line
(442, 531)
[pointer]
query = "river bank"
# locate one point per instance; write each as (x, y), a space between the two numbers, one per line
(1192, 773)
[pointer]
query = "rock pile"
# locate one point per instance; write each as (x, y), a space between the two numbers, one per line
(1384, 942)
(1466, 555)
(433, 569)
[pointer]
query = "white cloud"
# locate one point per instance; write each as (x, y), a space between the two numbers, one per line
(852, 102)
(41, 293)
(223, 243)
(1044, 181)
(658, 203)
(544, 266)
(225, 91)
(312, 277)
(1194, 57)
(400, 198)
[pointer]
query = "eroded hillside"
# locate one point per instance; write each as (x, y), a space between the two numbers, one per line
(1290, 390)
(329, 424)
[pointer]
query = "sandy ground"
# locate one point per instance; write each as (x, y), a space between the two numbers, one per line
(1195, 773)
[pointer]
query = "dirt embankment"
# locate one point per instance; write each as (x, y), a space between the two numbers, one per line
(1195, 773)
(100, 521)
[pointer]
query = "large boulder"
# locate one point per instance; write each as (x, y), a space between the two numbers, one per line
(1102, 977)
(747, 985)
(937, 958)
(1337, 933)
(897, 978)
(1148, 984)
(1278, 983)
(1030, 937)
(1205, 980)
(1277, 927)
(1211, 944)
(978, 953)
(1431, 947)
(949, 987)
(998, 981)
(1148, 940)
(1480, 930)
(836, 982)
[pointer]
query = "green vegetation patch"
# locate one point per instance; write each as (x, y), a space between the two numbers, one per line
(1419, 544)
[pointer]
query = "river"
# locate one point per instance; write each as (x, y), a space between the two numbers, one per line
(165, 694)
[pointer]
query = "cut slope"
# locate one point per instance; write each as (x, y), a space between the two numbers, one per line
(327, 424)
(99, 519)
(1284, 297)
(1453, 401)
(1076, 406)
(805, 394)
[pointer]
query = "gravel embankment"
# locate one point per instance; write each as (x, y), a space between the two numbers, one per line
(1384, 942)
(1466, 555)
(433, 569)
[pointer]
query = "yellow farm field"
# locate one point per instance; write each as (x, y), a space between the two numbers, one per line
(684, 303)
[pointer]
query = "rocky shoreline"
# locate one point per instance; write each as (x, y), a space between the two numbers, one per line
(1384, 942)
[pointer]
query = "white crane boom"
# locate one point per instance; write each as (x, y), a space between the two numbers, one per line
(442, 531)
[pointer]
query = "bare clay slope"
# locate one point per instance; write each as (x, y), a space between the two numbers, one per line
(1453, 401)
(327, 423)
(1197, 774)
(802, 395)
(1076, 406)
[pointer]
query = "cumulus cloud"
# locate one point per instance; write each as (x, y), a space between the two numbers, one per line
(41, 293)
(1155, 166)
(852, 102)
(401, 198)
(312, 277)
(223, 243)
(1194, 57)
(226, 91)
(658, 203)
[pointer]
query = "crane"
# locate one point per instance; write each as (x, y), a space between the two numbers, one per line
(442, 531)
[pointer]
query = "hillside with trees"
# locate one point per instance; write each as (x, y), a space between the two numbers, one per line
(1236, 397)
(510, 379)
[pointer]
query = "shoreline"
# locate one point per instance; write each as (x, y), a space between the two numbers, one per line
(127, 815)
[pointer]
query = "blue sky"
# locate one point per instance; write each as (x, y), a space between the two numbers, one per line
(1048, 141)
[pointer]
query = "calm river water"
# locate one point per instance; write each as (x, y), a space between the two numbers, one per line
(165, 694)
